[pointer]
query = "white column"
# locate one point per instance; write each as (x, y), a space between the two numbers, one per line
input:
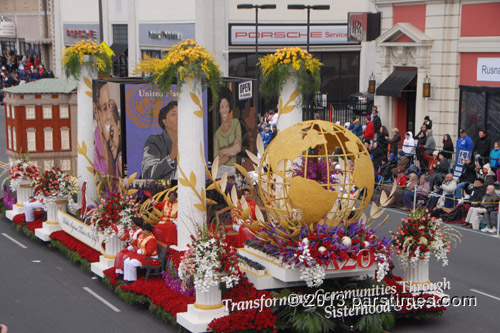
(420, 103)
(113, 246)
(86, 132)
(293, 117)
(133, 43)
(418, 272)
(190, 136)
(23, 192)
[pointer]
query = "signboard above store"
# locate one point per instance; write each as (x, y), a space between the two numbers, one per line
(289, 34)
(7, 28)
(488, 69)
(74, 33)
(164, 35)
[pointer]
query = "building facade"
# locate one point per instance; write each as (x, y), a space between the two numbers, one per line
(40, 120)
(452, 45)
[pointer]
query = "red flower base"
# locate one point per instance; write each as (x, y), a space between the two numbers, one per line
(74, 244)
(20, 219)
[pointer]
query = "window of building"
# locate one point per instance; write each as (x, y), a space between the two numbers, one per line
(48, 164)
(48, 139)
(120, 33)
(47, 112)
(12, 112)
(7, 111)
(480, 109)
(64, 111)
(65, 138)
(9, 131)
(154, 53)
(31, 134)
(66, 165)
(30, 112)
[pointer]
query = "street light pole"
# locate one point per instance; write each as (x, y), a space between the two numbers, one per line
(257, 7)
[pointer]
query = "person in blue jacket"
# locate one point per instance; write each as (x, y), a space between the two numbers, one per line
(495, 156)
(356, 126)
(266, 136)
(464, 141)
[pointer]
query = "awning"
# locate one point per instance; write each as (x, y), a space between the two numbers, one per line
(118, 49)
(396, 82)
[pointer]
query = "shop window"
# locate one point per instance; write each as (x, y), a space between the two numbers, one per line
(30, 112)
(120, 33)
(48, 139)
(47, 112)
(64, 138)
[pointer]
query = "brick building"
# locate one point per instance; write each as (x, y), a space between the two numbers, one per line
(41, 120)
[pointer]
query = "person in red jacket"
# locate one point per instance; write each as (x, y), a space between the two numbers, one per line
(243, 232)
(166, 230)
(130, 236)
(369, 130)
(146, 248)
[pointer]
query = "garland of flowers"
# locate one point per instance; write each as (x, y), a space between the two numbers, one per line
(420, 236)
(183, 62)
(22, 170)
(74, 244)
(279, 66)
(55, 183)
(206, 257)
(74, 57)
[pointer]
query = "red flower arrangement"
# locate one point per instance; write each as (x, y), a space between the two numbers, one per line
(54, 183)
(22, 170)
(74, 244)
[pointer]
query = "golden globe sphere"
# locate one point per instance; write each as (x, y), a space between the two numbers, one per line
(314, 172)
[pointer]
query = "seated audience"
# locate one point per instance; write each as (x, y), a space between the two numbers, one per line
(489, 201)
(440, 170)
(422, 192)
(467, 177)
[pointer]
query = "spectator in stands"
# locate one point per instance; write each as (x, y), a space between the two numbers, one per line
(273, 117)
(369, 129)
(385, 171)
(421, 139)
(488, 174)
(427, 122)
(274, 131)
(403, 163)
(447, 146)
(266, 136)
(423, 129)
(467, 177)
(459, 213)
(383, 139)
(422, 192)
(490, 219)
(464, 141)
(393, 160)
(356, 127)
(410, 187)
(409, 145)
(482, 148)
(317, 116)
(440, 170)
(377, 122)
(495, 159)
(489, 201)
(430, 143)
(377, 154)
(394, 141)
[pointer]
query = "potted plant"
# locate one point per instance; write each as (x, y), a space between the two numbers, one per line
(22, 176)
(97, 57)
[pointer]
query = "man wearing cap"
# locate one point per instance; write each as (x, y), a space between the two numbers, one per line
(369, 129)
(356, 127)
(464, 141)
(146, 248)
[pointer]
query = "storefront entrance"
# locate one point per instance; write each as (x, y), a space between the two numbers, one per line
(405, 110)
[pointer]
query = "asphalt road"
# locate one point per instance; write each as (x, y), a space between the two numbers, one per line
(41, 291)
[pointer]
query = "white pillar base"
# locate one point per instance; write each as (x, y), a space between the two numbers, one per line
(44, 232)
(196, 320)
(418, 272)
(11, 213)
(103, 264)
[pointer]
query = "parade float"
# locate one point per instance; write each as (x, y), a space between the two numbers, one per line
(315, 251)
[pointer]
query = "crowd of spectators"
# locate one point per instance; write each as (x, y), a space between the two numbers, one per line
(20, 69)
(426, 177)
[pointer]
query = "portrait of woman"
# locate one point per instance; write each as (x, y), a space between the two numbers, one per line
(228, 137)
(159, 159)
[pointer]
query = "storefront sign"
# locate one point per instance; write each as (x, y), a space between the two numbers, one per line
(357, 27)
(7, 29)
(74, 33)
(245, 90)
(164, 35)
(289, 34)
(488, 69)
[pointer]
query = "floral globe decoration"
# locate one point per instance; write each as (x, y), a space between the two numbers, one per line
(183, 62)
(55, 183)
(208, 261)
(74, 58)
(420, 236)
(22, 171)
(278, 67)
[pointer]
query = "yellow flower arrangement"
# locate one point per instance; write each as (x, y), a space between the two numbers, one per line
(184, 61)
(279, 66)
(74, 58)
